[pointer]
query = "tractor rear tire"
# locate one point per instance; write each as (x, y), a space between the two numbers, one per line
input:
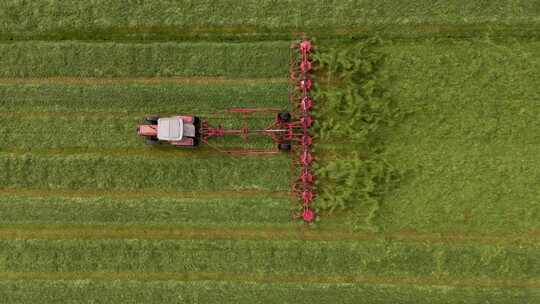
(152, 120)
(152, 141)
(284, 116)
(284, 146)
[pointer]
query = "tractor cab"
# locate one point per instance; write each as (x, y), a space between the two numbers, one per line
(174, 129)
(177, 130)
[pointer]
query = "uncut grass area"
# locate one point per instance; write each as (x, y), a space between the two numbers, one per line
(471, 147)
(90, 214)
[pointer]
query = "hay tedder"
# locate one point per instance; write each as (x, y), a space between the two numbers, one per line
(289, 130)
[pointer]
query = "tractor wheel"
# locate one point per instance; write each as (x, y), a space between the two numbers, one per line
(197, 124)
(152, 120)
(284, 116)
(152, 141)
(284, 146)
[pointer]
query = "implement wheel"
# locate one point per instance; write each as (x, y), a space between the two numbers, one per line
(284, 116)
(284, 147)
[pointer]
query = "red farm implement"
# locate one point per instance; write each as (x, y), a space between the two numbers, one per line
(290, 131)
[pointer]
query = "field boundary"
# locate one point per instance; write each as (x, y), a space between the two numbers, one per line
(276, 278)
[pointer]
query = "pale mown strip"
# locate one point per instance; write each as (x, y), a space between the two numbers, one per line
(174, 174)
(291, 278)
(167, 59)
(195, 209)
(274, 257)
(133, 225)
(80, 289)
(121, 99)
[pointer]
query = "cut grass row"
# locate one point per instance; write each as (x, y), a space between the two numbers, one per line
(132, 291)
(139, 98)
(226, 20)
(380, 258)
(238, 211)
(139, 173)
(220, 231)
(84, 59)
(470, 147)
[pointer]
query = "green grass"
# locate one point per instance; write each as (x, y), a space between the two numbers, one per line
(140, 173)
(87, 133)
(471, 149)
(75, 58)
(188, 19)
(99, 117)
(379, 258)
(256, 211)
(60, 291)
(140, 98)
(468, 150)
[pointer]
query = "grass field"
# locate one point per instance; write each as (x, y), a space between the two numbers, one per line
(90, 214)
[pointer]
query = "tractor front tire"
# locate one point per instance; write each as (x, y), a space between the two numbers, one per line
(152, 120)
(152, 141)
(284, 146)
(284, 116)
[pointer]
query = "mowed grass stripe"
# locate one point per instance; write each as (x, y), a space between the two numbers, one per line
(217, 231)
(99, 173)
(378, 258)
(238, 292)
(298, 278)
(84, 59)
(222, 208)
(122, 99)
(268, 19)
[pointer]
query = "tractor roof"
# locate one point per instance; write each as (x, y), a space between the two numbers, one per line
(170, 128)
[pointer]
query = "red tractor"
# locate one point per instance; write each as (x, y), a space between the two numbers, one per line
(178, 130)
(289, 130)
(190, 131)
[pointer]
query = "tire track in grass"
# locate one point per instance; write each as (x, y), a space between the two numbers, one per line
(277, 278)
(156, 80)
(293, 232)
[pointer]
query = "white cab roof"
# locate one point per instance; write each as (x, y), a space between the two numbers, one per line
(170, 128)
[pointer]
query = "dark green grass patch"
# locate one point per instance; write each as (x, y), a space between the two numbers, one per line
(353, 107)
(96, 291)
(75, 58)
(254, 211)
